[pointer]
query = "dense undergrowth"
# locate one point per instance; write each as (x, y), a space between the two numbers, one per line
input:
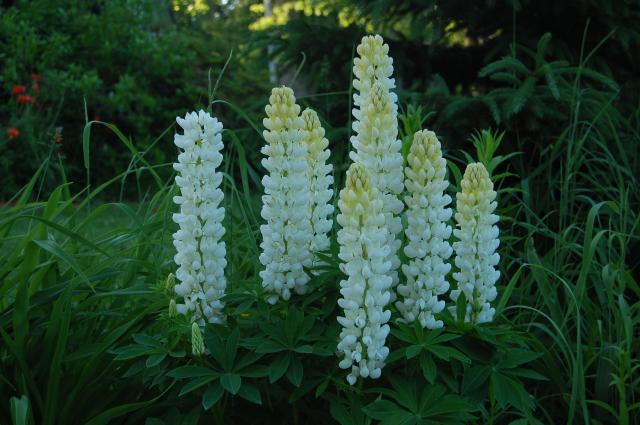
(87, 336)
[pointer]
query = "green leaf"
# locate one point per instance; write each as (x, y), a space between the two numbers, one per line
(428, 367)
(541, 49)
(144, 339)
(526, 373)
(380, 409)
(447, 353)
(551, 81)
(212, 395)
(232, 348)
(507, 63)
(294, 374)
(19, 410)
(132, 351)
(270, 346)
(449, 405)
(389, 413)
(461, 307)
(231, 382)
(504, 299)
(474, 377)
(56, 250)
(251, 393)
(516, 102)
(510, 392)
(412, 351)
(256, 371)
(294, 318)
(195, 384)
(341, 414)
(455, 170)
(279, 367)
(155, 359)
(322, 388)
(304, 349)
(183, 372)
(516, 357)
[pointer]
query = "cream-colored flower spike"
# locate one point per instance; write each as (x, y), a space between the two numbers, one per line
(320, 181)
(427, 232)
(287, 234)
(373, 64)
(477, 234)
(200, 250)
(375, 142)
(366, 291)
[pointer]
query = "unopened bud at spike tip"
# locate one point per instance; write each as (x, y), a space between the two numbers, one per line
(197, 342)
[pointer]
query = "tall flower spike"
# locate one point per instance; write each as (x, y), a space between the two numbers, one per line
(200, 250)
(427, 232)
(365, 292)
(320, 180)
(376, 143)
(287, 234)
(477, 234)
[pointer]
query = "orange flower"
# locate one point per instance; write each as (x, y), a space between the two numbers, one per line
(25, 98)
(36, 77)
(57, 139)
(18, 89)
(13, 133)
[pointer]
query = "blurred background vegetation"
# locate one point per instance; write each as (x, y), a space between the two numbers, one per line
(138, 64)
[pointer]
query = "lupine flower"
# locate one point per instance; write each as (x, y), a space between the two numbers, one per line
(366, 291)
(475, 249)
(427, 232)
(376, 143)
(18, 89)
(320, 180)
(170, 282)
(200, 251)
(197, 343)
(13, 133)
(287, 234)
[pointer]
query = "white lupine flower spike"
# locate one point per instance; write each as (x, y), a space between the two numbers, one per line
(427, 232)
(376, 144)
(200, 250)
(320, 181)
(366, 291)
(287, 234)
(477, 235)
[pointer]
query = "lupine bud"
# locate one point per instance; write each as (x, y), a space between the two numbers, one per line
(320, 180)
(477, 234)
(376, 143)
(200, 250)
(173, 310)
(170, 282)
(197, 343)
(365, 292)
(287, 234)
(427, 232)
